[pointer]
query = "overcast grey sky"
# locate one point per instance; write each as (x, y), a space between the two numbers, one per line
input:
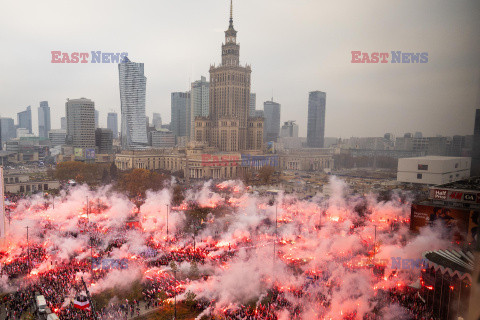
(294, 46)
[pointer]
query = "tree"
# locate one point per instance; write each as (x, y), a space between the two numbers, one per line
(178, 196)
(265, 173)
(113, 171)
(81, 172)
(105, 176)
(246, 176)
(137, 181)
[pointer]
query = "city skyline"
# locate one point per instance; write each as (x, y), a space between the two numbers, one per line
(438, 97)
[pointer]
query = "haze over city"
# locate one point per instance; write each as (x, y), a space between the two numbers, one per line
(293, 47)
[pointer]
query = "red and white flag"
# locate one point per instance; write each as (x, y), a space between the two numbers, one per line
(81, 302)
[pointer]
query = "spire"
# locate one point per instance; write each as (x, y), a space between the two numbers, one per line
(231, 13)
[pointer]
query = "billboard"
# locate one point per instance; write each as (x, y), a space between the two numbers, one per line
(270, 147)
(463, 223)
(244, 160)
(249, 160)
(78, 152)
(90, 154)
(210, 160)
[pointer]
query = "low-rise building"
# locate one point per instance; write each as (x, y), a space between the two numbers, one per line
(197, 161)
(433, 170)
(21, 183)
(57, 137)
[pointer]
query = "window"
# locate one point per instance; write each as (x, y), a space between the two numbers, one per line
(419, 176)
(423, 167)
(456, 165)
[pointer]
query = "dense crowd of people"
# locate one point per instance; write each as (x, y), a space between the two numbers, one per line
(61, 283)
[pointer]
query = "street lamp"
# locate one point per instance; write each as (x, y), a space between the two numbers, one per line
(167, 222)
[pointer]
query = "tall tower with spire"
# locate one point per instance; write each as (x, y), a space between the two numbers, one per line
(228, 126)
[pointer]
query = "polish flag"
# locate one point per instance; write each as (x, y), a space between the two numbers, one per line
(81, 302)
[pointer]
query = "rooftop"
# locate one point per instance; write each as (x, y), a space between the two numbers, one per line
(455, 260)
(437, 158)
(467, 184)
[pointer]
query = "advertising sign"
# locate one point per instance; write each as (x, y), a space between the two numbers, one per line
(454, 195)
(78, 152)
(259, 161)
(209, 160)
(463, 223)
(90, 154)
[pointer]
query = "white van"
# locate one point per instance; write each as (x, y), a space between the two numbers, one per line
(41, 304)
(52, 316)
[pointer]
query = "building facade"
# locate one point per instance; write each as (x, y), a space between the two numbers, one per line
(180, 107)
(57, 137)
(7, 129)
(24, 119)
(63, 123)
(289, 129)
(133, 84)
(229, 126)
(44, 125)
(104, 140)
(253, 105)
(198, 161)
(97, 118)
(112, 123)
(200, 100)
(272, 111)
(80, 123)
(316, 119)
(162, 138)
(157, 121)
(433, 170)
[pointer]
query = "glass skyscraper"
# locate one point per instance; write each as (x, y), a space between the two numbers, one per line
(271, 110)
(200, 100)
(43, 119)
(133, 85)
(180, 108)
(112, 123)
(316, 119)
(24, 119)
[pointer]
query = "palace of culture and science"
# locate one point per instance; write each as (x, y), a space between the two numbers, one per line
(229, 126)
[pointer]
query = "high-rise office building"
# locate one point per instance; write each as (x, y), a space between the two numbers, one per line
(97, 118)
(228, 126)
(200, 99)
(289, 129)
(133, 84)
(112, 123)
(157, 121)
(63, 123)
(475, 170)
(316, 119)
(44, 125)
(7, 128)
(104, 140)
(180, 106)
(24, 119)
(253, 105)
(271, 112)
(80, 123)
